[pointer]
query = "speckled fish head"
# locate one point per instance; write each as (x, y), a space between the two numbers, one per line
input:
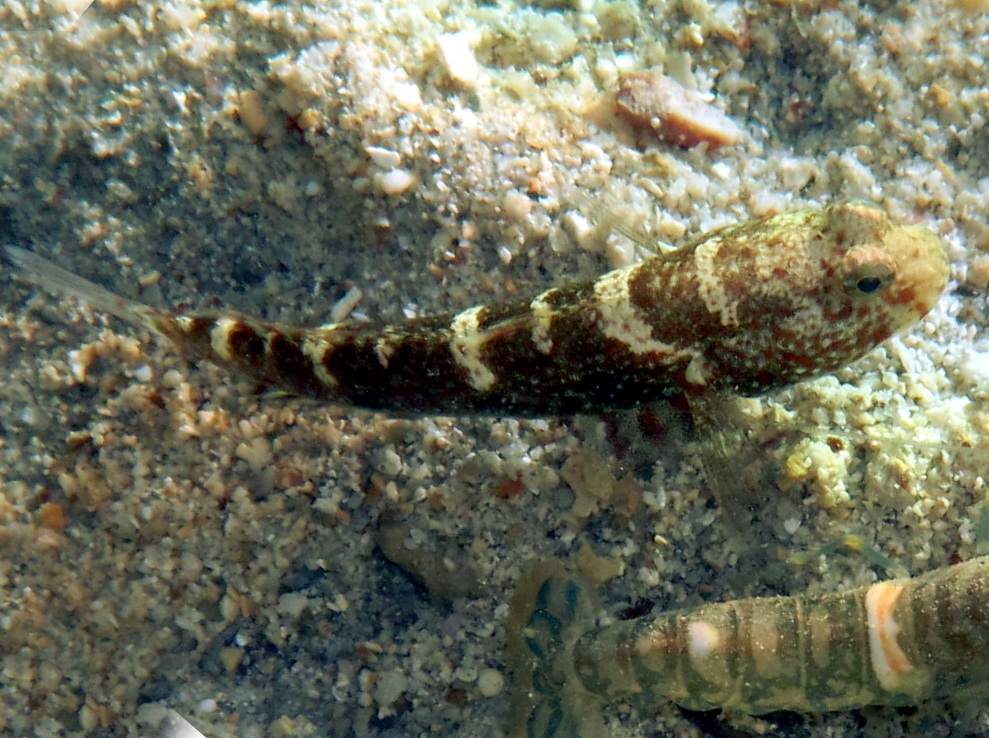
(880, 278)
(832, 285)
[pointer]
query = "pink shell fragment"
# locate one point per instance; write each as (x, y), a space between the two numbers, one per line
(661, 107)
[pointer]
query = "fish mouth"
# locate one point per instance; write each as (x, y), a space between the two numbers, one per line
(922, 272)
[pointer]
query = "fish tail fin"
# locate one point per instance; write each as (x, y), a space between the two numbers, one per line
(551, 609)
(39, 271)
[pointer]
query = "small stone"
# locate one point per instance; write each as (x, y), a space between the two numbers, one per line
(659, 105)
(490, 682)
(395, 181)
(52, 517)
(292, 604)
(283, 727)
(384, 158)
(457, 58)
(386, 461)
(390, 686)
(257, 453)
(231, 658)
(551, 38)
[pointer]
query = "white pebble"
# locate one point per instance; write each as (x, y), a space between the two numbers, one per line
(346, 304)
(292, 604)
(457, 58)
(386, 461)
(551, 39)
(580, 230)
(384, 158)
(390, 686)
(490, 682)
(257, 453)
(395, 181)
(518, 207)
(975, 368)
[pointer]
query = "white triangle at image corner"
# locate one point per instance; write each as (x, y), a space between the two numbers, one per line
(177, 726)
(75, 8)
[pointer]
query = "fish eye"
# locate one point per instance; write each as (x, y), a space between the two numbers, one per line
(867, 271)
(868, 285)
(868, 279)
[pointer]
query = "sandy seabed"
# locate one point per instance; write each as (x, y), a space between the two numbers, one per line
(170, 539)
